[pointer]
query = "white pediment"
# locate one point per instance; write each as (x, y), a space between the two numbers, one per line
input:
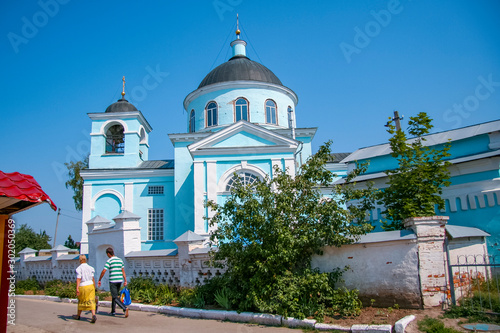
(241, 137)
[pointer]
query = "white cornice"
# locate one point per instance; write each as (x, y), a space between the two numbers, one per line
(252, 150)
(237, 85)
(121, 115)
(195, 136)
(91, 174)
(188, 137)
(299, 132)
(205, 146)
(459, 166)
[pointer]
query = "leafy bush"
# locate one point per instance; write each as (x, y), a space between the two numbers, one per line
(28, 284)
(102, 294)
(209, 289)
(165, 295)
(222, 298)
(61, 289)
(433, 325)
(141, 283)
(268, 231)
(52, 283)
(186, 297)
(198, 300)
(148, 295)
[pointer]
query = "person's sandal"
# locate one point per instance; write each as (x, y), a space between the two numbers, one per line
(76, 317)
(94, 318)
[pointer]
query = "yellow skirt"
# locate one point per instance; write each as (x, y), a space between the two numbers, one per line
(86, 300)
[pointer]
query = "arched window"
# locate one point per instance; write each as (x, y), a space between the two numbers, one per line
(270, 112)
(142, 138)
(246, 178)
(115, 140)
(290, 117)
(211, 114)
(241, 109)
(191, 121)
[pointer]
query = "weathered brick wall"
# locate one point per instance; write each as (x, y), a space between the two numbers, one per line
(431, 234)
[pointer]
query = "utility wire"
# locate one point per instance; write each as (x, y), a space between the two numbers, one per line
(251, 44)
(225, 43)
(71, 217)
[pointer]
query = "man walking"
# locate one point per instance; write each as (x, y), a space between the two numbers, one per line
(116, 277)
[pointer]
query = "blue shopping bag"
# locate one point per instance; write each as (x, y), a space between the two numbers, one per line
(125, 296)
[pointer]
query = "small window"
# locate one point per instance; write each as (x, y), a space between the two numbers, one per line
(290, 117)
(241, 109)
(142, 136)
(115, 140)
(155, 224)
(211, 114)
(191, 122)
(246, 178)
(270, 112)
(155, 190)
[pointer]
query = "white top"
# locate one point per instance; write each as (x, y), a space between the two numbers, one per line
(85, 272)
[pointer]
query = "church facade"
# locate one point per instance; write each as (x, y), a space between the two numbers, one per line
(240, 122)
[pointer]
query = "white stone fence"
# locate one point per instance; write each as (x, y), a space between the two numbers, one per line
(58, 263)
(407, 267)
(185, 266)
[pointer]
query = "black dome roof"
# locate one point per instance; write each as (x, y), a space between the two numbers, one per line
(122, 105)
(240, 68)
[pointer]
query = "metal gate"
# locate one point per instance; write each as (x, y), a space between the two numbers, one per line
(475, 282)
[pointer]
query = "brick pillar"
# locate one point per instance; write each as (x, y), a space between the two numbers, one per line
(430, 231)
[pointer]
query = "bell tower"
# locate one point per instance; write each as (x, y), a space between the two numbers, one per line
(119, 137)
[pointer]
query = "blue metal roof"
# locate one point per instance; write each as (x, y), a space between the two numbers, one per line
(387, 236)
(456, 231)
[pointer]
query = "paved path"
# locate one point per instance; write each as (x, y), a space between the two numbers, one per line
(35, 316)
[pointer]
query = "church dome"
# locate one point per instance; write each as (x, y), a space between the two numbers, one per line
(122, 105)
(240, 68)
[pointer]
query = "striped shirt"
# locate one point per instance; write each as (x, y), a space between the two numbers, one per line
(114, 265)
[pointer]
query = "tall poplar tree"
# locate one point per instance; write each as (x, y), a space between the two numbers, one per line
(416, 185)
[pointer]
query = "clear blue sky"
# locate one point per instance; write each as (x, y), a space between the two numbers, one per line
(352, 63)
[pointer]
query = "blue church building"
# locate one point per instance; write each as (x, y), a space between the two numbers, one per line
(241, 120)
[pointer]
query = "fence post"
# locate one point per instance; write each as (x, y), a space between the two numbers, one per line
(187, 242)
(430, 231)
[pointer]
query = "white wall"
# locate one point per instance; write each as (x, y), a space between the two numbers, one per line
(384, 271)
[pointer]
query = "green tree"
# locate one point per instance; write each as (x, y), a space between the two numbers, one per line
(416, 185)
(75, 181)
(267, 232)
(70, 243)
(27, 237)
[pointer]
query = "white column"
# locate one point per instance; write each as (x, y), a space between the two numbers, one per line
(86, 215)
(199, 194)
(275, 162)
(129, 197)
(211, 185)
(290, 164)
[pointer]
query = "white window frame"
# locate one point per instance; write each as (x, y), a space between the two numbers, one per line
(156, 222)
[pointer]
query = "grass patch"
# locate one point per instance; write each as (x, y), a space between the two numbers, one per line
(433, 325)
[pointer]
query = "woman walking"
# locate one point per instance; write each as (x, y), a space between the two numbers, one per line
(85, 289)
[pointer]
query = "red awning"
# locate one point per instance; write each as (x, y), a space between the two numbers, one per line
(18, 191)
